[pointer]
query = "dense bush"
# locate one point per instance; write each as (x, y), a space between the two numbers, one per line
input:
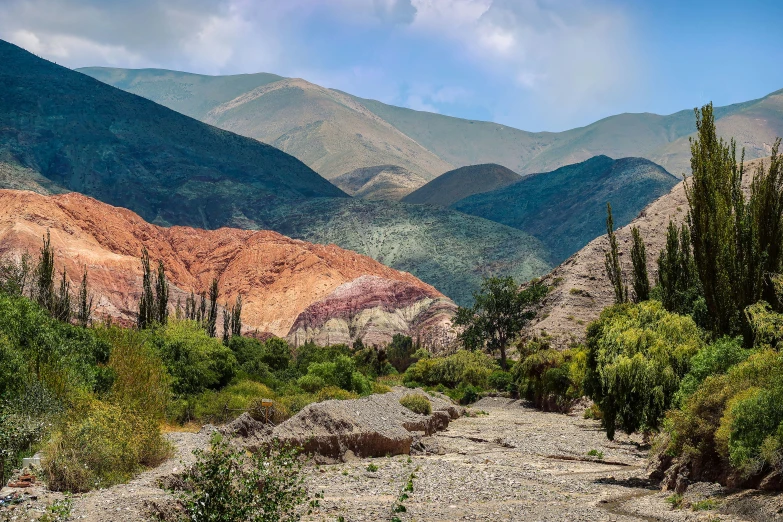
(195, 361)
(229, 484)
(230, 402)
(550, 378)
(462, 368)
(735, 417)
(637, 356)
(100, 444)
(417, 403)
(714, 359)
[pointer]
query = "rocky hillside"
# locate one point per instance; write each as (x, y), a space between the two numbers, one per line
(580, 287)
(460, 183)
(566, 208)
(289, 287)
(384, 182)
(327, 128)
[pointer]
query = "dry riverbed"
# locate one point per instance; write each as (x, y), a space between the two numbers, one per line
(504, 462)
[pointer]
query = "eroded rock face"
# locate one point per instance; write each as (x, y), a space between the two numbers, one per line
(374, 309)
(372, 426)
(278, 277)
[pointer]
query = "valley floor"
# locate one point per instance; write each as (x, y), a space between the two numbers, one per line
(507, 462)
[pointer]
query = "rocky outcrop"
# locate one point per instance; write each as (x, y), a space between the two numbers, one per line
(373, 308)
(278, 278)
(372, 426)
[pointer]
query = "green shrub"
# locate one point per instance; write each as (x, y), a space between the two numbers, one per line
(500, 380)
(595, 453)
(468, 394)
(551, 379)
(735, 417)
(251, 359)
(230, 402)
(705, 505)
(417, 403)
(675, 501)
(372, 468)
(311, 382)
(100, 445)
(637, 356)
(714, 359)
(229, 484)
(195, 361)
(293, 404)
(333, 392)
(466, 367)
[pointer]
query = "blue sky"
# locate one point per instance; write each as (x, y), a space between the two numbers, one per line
(531, 64)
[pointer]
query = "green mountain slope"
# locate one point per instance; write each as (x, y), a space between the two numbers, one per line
(566, 208)
(85, 136)
(460, 183)
(64, 131)
(329, 131)
(384, 182)
(450, 250)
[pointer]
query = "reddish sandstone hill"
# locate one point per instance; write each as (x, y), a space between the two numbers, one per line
(280, 279)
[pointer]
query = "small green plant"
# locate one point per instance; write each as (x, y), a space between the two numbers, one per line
(707, 504)
(345, 472)
(577, 291)
(675, 501)
(57, 511)
(595, 453)
(417, 403)
(372, 468)
(226, 483)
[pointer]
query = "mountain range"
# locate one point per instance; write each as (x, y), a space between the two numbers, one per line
(334, 132)
(64, 131)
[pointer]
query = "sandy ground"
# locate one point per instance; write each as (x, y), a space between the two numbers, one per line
(507, 462)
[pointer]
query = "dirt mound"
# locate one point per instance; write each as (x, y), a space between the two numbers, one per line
(278, 277)
(372, 426)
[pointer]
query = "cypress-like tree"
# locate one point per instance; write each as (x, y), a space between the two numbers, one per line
(236, 318)
(226, 324)
(641, 281)
(201, 315)
(61, 304)
(44, 275)
(736, 243)
(211, 323)
(612, 261)
(147, 312)
(84, 312)
(161, 295)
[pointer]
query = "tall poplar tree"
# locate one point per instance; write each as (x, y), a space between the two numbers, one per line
(612, 261)
(641, 281)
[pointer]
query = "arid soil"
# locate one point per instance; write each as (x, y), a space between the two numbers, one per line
(503, 462)
(280, 279)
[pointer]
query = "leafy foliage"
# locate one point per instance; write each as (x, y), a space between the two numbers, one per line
(737, 242)
(612, 261)
(550, 378)
(228, 485)
(637, 355)
(498, 313)
(641, 281)
(679, 288)
(464, 367)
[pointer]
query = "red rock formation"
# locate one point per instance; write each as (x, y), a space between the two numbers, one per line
(278, 277)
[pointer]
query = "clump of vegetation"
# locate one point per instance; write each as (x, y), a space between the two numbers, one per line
(226, 483)
(372, 468)
(595, 453)
(705, 505)
(417, 403)
(550, 378)
(637, 356)
(675, 501)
